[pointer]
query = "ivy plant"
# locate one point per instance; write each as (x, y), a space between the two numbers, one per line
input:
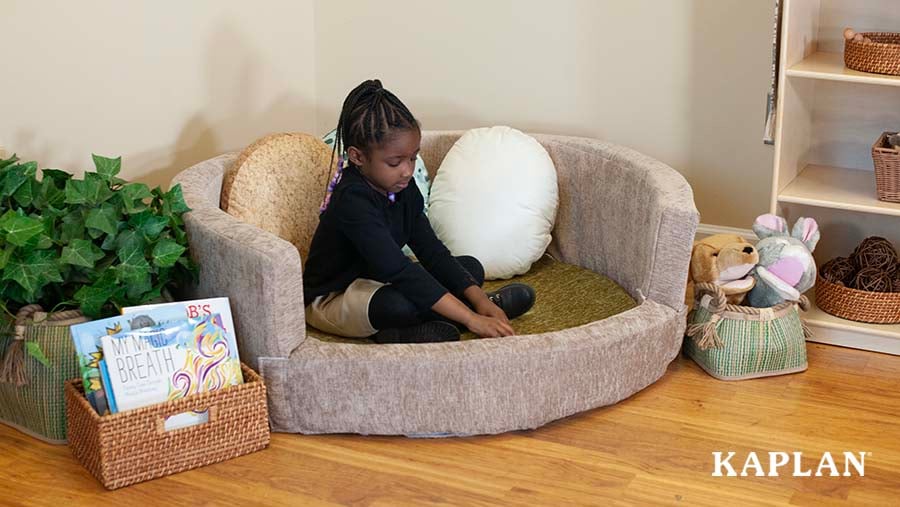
(97, 243)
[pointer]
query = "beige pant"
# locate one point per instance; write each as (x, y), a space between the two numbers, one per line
(345, 313)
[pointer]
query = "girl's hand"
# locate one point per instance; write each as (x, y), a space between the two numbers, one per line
(489, 327)
(489, 309)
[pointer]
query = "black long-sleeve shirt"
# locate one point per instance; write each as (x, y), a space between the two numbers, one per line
(361, 235)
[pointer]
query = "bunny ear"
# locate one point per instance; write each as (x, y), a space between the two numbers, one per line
(770, 225)
(807, 231)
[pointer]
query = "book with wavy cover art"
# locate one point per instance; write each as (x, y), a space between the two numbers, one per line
(162, 363)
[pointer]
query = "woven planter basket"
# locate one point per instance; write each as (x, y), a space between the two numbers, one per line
(887, 169)
(134, 446)
(31, 394)
(881, 56)
(732, 342)
(858, 305)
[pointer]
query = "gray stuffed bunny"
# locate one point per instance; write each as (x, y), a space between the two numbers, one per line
(786, 266)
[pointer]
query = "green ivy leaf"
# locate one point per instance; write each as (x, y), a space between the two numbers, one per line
(166, 253)
(129, 239)
(13, 178)
(20, 229)
(56, 175)
(50, 195)
(77, 192)
(180, 235)
(138, 288)
(39, 242)
(103, 219)
(34, 350)
(92, 190)
(133, 267)
(34, 271)
(107, 168)
(5, 254)
(26, 192)
(173, 202)
(81, 252)
(91, 300)
(148, 224)
(72, 227)
(133, 195)
(9, 161)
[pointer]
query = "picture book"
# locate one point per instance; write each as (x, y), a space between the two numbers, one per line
(195, 308)
(86, 337)
(167, 362)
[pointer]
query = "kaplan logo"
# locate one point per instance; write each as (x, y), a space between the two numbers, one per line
(776, 460)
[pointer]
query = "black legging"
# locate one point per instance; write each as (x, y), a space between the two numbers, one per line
(389, 308)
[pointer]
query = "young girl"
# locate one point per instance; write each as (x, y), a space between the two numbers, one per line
(357, 282)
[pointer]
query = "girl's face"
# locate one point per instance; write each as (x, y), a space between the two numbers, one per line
(390, 165)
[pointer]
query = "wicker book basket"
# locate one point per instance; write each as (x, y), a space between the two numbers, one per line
(858, 305)
(732, 342)
(887, 169)
(881, 56)
(133, 446)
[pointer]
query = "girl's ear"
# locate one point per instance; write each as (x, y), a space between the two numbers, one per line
(770, 225)
(356, 156)
(807, 231)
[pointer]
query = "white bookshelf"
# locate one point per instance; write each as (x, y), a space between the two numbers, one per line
(828, 116)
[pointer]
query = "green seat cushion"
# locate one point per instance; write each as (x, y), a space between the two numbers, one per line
(567, 296)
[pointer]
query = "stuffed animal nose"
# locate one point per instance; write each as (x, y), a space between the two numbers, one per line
(748, 249)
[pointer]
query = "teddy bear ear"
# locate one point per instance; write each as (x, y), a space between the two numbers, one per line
(770, 225)
(807, 231)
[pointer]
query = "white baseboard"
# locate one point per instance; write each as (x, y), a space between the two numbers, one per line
(704, 230)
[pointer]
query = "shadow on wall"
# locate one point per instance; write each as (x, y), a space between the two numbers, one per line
(730, 169)
(230, 118)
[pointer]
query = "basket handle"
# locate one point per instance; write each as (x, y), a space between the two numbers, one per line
(210, 410)
(12, 366)
(706, 334)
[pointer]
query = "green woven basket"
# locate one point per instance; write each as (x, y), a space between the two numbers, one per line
(732, 342)
(31, 392)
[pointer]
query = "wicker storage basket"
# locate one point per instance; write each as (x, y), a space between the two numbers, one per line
(881, 56)
(31, 393)
(858, 305)
(133, 446)
(732, 342)
(887, 169)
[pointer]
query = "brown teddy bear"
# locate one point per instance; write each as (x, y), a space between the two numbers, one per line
(725, 260)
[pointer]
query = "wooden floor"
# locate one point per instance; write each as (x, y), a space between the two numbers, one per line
(653, 448)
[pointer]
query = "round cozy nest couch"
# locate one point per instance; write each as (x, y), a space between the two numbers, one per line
(621, 214)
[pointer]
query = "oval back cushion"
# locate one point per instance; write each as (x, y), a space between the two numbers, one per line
(277, 184)
(495, 197)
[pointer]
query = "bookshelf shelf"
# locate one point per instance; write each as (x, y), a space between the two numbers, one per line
(827, 118)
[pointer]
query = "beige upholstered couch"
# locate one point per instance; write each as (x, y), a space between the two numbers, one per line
(621, 213)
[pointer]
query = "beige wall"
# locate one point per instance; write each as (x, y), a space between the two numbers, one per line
(164, 84)
(684, 81)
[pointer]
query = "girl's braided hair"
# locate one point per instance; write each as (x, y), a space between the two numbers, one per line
(369, 116)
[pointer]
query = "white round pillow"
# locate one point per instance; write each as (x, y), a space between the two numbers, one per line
(495, 198)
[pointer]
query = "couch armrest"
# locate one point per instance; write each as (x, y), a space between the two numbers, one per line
(259, 272)
(625, 215)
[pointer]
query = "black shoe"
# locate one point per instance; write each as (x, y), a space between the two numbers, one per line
(427, 332)
(514, 299)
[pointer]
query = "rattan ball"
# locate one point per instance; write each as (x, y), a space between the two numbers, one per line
(840, 270)
(873, 280)
(895, 281)
(875, 252)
